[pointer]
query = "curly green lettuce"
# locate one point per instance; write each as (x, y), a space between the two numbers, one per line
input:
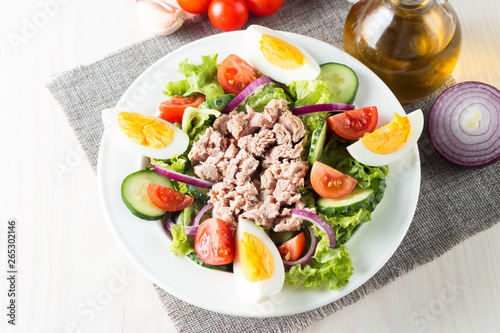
(195, 121)
(198, 78)
(308, 92)
(328, 267)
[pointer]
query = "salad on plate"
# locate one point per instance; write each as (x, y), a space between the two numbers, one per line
(261, 165)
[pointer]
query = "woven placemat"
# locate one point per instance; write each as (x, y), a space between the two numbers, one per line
(454, 203)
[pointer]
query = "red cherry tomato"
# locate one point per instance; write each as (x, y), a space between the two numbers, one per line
(264, 7)
(228, 15)
(235, 74)
(330, 183)
(167, 199)
(352, 125)
(194, 6)
(292, 249)
(172, 109)
(214, 243)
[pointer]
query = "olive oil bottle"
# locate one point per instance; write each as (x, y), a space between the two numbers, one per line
(412, 45)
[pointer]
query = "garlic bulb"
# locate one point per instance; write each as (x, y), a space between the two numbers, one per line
(160, 16)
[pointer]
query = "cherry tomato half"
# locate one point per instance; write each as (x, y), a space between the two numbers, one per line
(235, 74)
(264, 7)
(292, 249)
(194, 6)
(228, 15)
(214, 243)
(167, 199)
(330, 183)
(352, 125)
(172, 109)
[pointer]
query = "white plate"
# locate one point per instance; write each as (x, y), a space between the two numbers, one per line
(147, 245)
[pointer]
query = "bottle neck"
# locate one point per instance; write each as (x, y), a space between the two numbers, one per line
(411, 4)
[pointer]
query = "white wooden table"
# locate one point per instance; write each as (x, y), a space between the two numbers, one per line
(72, 276)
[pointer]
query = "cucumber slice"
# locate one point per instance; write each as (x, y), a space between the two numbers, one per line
(342, 82)
(224, 268)
(318, 137)
(135, 194)
(199, 193)
(217, 103)
(379, 186)
(356, 199)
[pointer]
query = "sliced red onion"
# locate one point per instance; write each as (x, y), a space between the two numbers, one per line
(317, 221)
(202, 211)
(190, 229)
(179, 177)
(304, 260)
(464, 124)
(249, 90)
(307, 109)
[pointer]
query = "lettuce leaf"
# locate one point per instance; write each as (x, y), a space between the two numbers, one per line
(335, 155)
(309, 92)
(330, 267)
(345, 224)
(199, 78)
(259, 99)
(195, 121)
(180, 241)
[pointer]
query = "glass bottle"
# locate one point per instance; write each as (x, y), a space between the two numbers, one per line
(412, 45)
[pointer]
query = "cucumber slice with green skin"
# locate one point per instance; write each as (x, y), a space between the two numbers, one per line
(342, 82)
(318, 137)
(196, 259)
(135, 194)
(356, 199)
(379, 186)
(217, 103)
(199, 193)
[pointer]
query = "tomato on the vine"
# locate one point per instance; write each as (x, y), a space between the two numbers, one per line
(235, 74)
(228, 15)
(214, 243)
(194, 6)
(172, 109)
(329, 182)
(264, 7)
(352, 125)
(167, 199)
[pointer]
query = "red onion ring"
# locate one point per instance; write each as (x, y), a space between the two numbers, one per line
(249, 90)
(179, 177)
(307, 109)
(202, 211)
(190, 229)
(304, 260)
(317, 221)
(464, 124)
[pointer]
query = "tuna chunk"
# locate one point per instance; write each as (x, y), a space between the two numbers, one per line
(255, 161)
(210, 143)
(293, 124)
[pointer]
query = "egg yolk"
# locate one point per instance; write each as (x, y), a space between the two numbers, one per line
(256, 261)
(281, 54)
(145, 130)
(389, 138)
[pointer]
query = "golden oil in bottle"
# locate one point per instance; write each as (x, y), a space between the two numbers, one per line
(412, 45)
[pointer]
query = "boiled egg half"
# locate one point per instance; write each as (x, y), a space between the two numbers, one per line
(389, 142)
(258, 269)
(276, 56)
(146, 135)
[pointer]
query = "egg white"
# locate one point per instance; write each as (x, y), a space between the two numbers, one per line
(177, 146)
(259, 291)
(363, 155)
(253, 34)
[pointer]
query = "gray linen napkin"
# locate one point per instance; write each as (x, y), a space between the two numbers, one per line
(454, 203)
